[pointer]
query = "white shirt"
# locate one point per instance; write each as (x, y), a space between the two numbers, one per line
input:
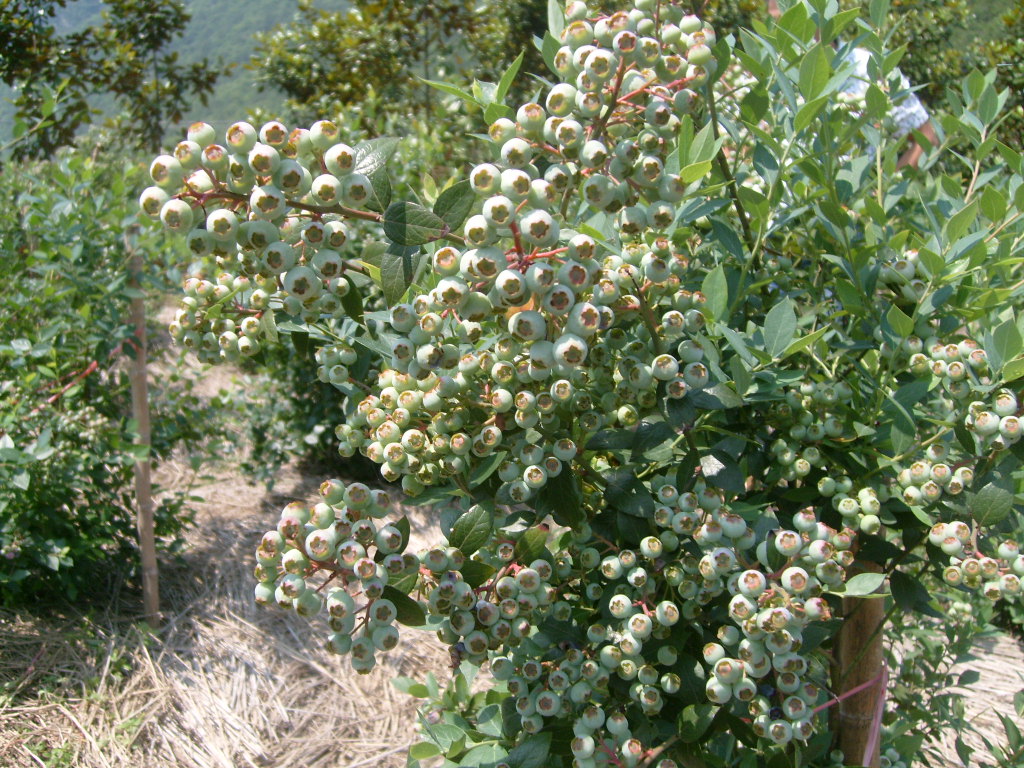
(907, 115)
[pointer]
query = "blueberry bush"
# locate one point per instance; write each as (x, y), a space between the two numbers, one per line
(67, 508)
(711, 401)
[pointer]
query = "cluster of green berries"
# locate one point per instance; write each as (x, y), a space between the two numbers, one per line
(571, 321)
(890, 758)
(906, 276)
(332, 555)
(263, 216)
(996, 576)
(650, 602)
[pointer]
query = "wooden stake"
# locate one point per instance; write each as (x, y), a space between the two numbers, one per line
(861, 660)
(143, 483)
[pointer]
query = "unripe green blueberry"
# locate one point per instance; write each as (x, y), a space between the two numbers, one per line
(267, 202)
(166, 172)
(323, 134)
(152, 200)
(202, 134)
(326, 189)
(340, 159)
(176, 215)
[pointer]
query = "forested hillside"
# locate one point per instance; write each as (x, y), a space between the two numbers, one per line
(218, 30)
(224, 32)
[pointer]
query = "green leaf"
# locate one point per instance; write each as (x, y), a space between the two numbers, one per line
(421, 750)
(353, 301)
(738, 342)
(532, 544)
(548, 48)
(694, 171)
(483, 755)
(556, 17)
(454, 204)
(506, 79)
(779, 327)
(864, 584)
(473, 529)
(805, 342)
(402, 524)
(493, 112)
(911, 595)
(374, 154)
(485, 92)
(716, 292)
(408, 223)
(476, 573)
(815, 72)
(878, 10)
(443, 734)
(410, 612)
(652, 442)
(268, 326)
(532, 753)
(561, 498)
(486, 468)
(722, 471)
(703, 146)
(397, 270)
(990, 505)
(1013, 369)
(626, 492)
(692, 682)
(900, 322)
(993, 203)
(806, 114)
(451, 90)
(958, 223)
(694, 721)
(411, 687)
(380, 186)
(611, 440)
(716, 398)
(1006, 344)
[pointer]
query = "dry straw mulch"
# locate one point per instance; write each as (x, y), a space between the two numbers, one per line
(224, 683)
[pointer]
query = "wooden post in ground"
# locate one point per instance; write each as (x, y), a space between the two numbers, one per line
(143, 482)
(861, 658)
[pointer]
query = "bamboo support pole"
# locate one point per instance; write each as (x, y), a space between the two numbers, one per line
(861, 664)
(143, 482)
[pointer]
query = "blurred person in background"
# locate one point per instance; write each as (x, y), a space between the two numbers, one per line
(908, 115)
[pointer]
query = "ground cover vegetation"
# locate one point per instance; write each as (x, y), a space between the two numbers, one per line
(709, 396)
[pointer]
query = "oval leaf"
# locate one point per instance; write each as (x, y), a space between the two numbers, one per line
(397, 268)
(779, 327)
(991, 504)
(411, 224)
(454, 204)
(472, 530)
(374, 154)
(410, 612)
(864, 584)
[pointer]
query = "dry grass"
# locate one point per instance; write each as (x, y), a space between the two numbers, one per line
(224, 684)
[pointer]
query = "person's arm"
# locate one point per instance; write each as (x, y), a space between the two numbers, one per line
(913, 153)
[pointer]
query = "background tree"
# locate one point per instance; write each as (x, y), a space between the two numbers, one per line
(326, 60)
(125, 58)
